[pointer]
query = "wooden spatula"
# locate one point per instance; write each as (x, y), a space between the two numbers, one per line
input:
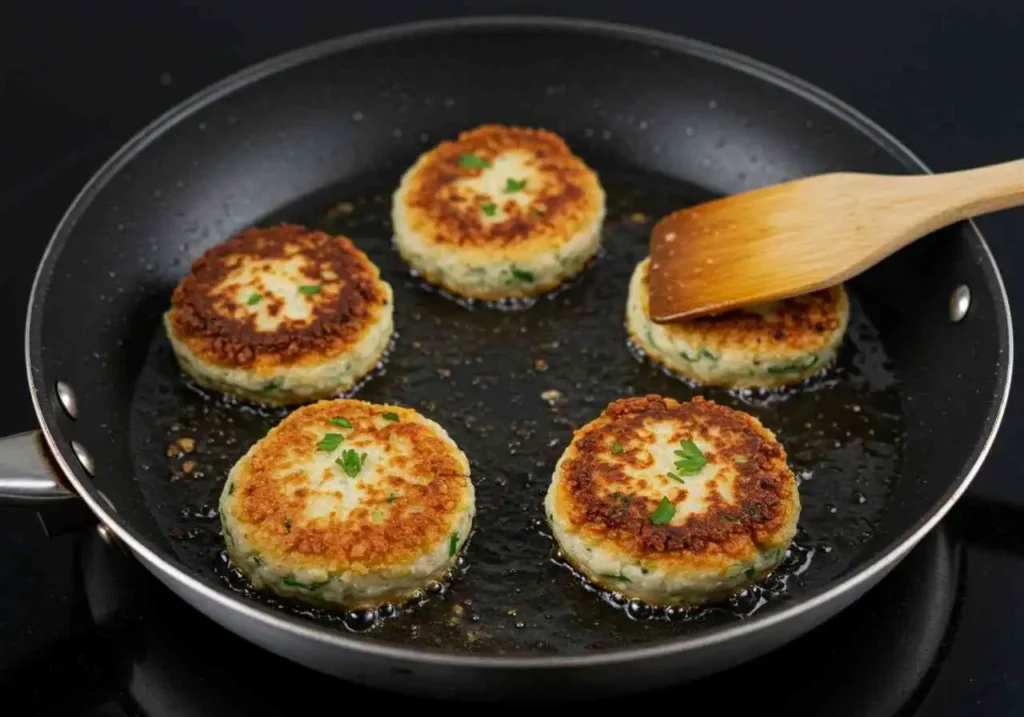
(808, 234)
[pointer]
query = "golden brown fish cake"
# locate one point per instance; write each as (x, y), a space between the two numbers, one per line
(768, 345)
(673, 503)
(347, 503)
(281, 315)
(501, 212)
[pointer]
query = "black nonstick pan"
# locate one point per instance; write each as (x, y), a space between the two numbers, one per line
(884, 442)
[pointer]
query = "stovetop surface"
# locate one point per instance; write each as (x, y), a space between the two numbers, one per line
(85, 631)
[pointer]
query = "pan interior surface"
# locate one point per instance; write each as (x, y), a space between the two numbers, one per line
(879, 440)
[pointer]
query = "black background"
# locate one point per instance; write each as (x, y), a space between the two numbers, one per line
(944, 76)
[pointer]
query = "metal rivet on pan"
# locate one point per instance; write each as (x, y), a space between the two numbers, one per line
(959, 303)
(105, 535)
(84, 458)
(67, 399)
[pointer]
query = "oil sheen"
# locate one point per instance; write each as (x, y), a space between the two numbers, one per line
(510, 383)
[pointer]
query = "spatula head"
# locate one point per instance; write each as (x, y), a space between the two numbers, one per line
(770, 243)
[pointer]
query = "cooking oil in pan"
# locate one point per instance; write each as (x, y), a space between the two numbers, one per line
(510, 383)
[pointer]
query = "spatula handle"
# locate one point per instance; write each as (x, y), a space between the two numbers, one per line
(972, 192)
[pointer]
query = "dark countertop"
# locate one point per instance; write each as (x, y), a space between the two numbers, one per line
(81, 78)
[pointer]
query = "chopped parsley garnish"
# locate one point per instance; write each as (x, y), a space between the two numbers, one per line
(271, 385)
(330, 441)
(453, 544)
(690, 460)
(296, 584)
(377, 516)
(231, 489)
(309, 289)
(392, 497)
(664, 512)
(391, 416)
(514, 185)
(617, 448)
(620, 578)
(490, 208)
(750, 573)
(521, 274)
(468, 160)
(288, 524)
(351, 462)
(253, 299)
(674, 477)
(340, 422)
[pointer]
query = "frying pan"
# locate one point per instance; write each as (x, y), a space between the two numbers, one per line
(884, 442)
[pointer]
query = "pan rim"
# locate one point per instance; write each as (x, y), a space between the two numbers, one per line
(867, 574)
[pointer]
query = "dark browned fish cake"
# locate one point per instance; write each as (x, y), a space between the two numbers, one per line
(673, 503)
(348, 503)
(768, 345)
(281, 315)
(500, 212)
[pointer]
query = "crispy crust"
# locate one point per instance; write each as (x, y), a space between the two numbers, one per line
(595, 499)
(428, 475)
(207, 318)
(800, 324)
(449, 214)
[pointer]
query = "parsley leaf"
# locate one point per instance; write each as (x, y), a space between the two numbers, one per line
(664, 512)
(690, 460)
(453, 545)
(521, 274)
(309, 289)
(330, 441)
(514, 185)
(468, 160)
(391, 416)
(253, 299)
(351, 462)
(340, 422)
(617, 448)
(490, 209)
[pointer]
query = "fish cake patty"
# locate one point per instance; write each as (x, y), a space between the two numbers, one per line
(674, 504)
(500, 213)
(770, 345)
(281, 315)
(348, 504)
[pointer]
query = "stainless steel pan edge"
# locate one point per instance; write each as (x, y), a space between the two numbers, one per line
(429, 671)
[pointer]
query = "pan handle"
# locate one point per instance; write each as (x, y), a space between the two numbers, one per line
(28, 473)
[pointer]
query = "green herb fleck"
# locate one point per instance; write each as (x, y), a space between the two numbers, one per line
(392, 497)
(536, 212)
(309, 289)
(391, 416)
(750, 573)
(351, 462)
(617, 448)
(674, 477)
(514, 185)
(231, 489)
(521, 274)
(468, 160)
(620, 578)
(288, 524)
(688, 357)
(340, 422)
(690, 460)
(330, 441)
(664, 512)
(271, 385)
(256, 560)
(453, 545)
(490, 208)
(253, 299)
(305, 586)
(377, 516)
(708, 355)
